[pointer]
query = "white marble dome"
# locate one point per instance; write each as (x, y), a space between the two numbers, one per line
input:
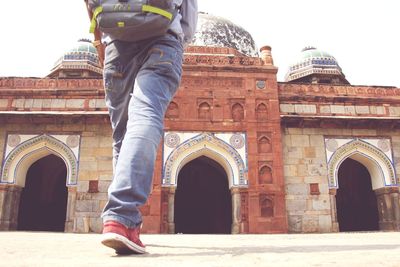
(220, 32)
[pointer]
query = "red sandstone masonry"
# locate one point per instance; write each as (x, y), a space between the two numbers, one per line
(236, 85)
(221, 80)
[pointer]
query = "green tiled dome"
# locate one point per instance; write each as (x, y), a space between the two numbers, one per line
(313, 52)
(315, 56)
(84, 46)
(81, 60)
(84, 50)
(313, 62)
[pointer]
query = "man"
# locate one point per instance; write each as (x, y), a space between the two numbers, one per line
(140, 80)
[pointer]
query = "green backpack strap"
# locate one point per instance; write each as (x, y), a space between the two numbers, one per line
(156, 10)
(93, 23)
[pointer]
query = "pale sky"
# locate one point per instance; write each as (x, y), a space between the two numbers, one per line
(363, 35)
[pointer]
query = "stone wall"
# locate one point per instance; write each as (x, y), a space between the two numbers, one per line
(9, 199)
(95, 175)
(88, 197)
(309, 205)
(231, 100)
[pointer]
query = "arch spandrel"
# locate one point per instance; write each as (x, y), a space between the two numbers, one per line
(18, 161)
(206, 144)
(378, 164)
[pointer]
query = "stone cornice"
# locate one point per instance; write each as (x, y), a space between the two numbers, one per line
(337, 93)
(223, 58)
(195, 62)
(28, 87)
(336, 122)
(212, 50)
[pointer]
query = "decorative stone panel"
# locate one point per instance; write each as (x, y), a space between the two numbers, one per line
(23, 150)
(228, 149)
(265, 175)
(172, 111)
(266, 206)
(204, 111)
(375, 154)
(237, 112)
(264, 143)
(262, 112)
(310, 109)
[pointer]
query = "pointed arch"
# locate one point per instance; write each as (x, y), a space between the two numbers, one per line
(237, 112)
(378, 164)
(206, 144)
(204, 111)
(262, 111)
(18, 161)
(265, 175)
(266, 206)
(172, 111)
(264, 144)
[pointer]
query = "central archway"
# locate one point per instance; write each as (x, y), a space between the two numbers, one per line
(203, 202)
(355, 200)
(43, 202)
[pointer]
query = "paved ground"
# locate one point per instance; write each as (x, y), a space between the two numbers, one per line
(346, 249)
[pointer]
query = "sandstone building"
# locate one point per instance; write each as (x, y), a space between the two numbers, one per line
(242, 152)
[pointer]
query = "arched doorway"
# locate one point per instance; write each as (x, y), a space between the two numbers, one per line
(355, 200)
(203, 202)
(43, 201)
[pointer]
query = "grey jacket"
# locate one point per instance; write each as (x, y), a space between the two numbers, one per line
(184, 25)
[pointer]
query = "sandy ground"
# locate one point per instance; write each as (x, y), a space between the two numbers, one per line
(344, 249)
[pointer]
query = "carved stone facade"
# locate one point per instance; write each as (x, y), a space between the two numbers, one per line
(280, 145)
(326, 125)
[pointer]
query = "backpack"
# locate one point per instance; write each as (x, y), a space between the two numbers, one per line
(132, 20)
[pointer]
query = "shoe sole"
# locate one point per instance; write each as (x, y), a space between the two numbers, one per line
(121, 244)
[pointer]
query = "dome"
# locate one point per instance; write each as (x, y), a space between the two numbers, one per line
(220, 32)
(314, 65)
(80, 61)
(310, 53)
(84, 50)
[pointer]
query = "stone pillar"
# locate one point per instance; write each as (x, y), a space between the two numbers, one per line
(9, 206)
(171, 207)
(164, 210)
(244, 213)
(389, 208)
(266, 55)
(70, 220)
(236, 216)
(332, 197)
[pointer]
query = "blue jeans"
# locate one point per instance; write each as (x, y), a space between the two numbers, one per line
(140, 80)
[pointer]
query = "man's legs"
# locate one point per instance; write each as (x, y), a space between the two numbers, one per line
(157, 78)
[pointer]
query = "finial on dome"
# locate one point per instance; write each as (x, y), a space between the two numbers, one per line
(308, 48)
(86, 40)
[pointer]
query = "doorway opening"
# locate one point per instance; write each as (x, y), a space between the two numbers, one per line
(43, 202)
(355, 200)
(203, 202)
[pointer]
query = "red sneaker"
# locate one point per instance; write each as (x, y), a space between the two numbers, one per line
(122, 239)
